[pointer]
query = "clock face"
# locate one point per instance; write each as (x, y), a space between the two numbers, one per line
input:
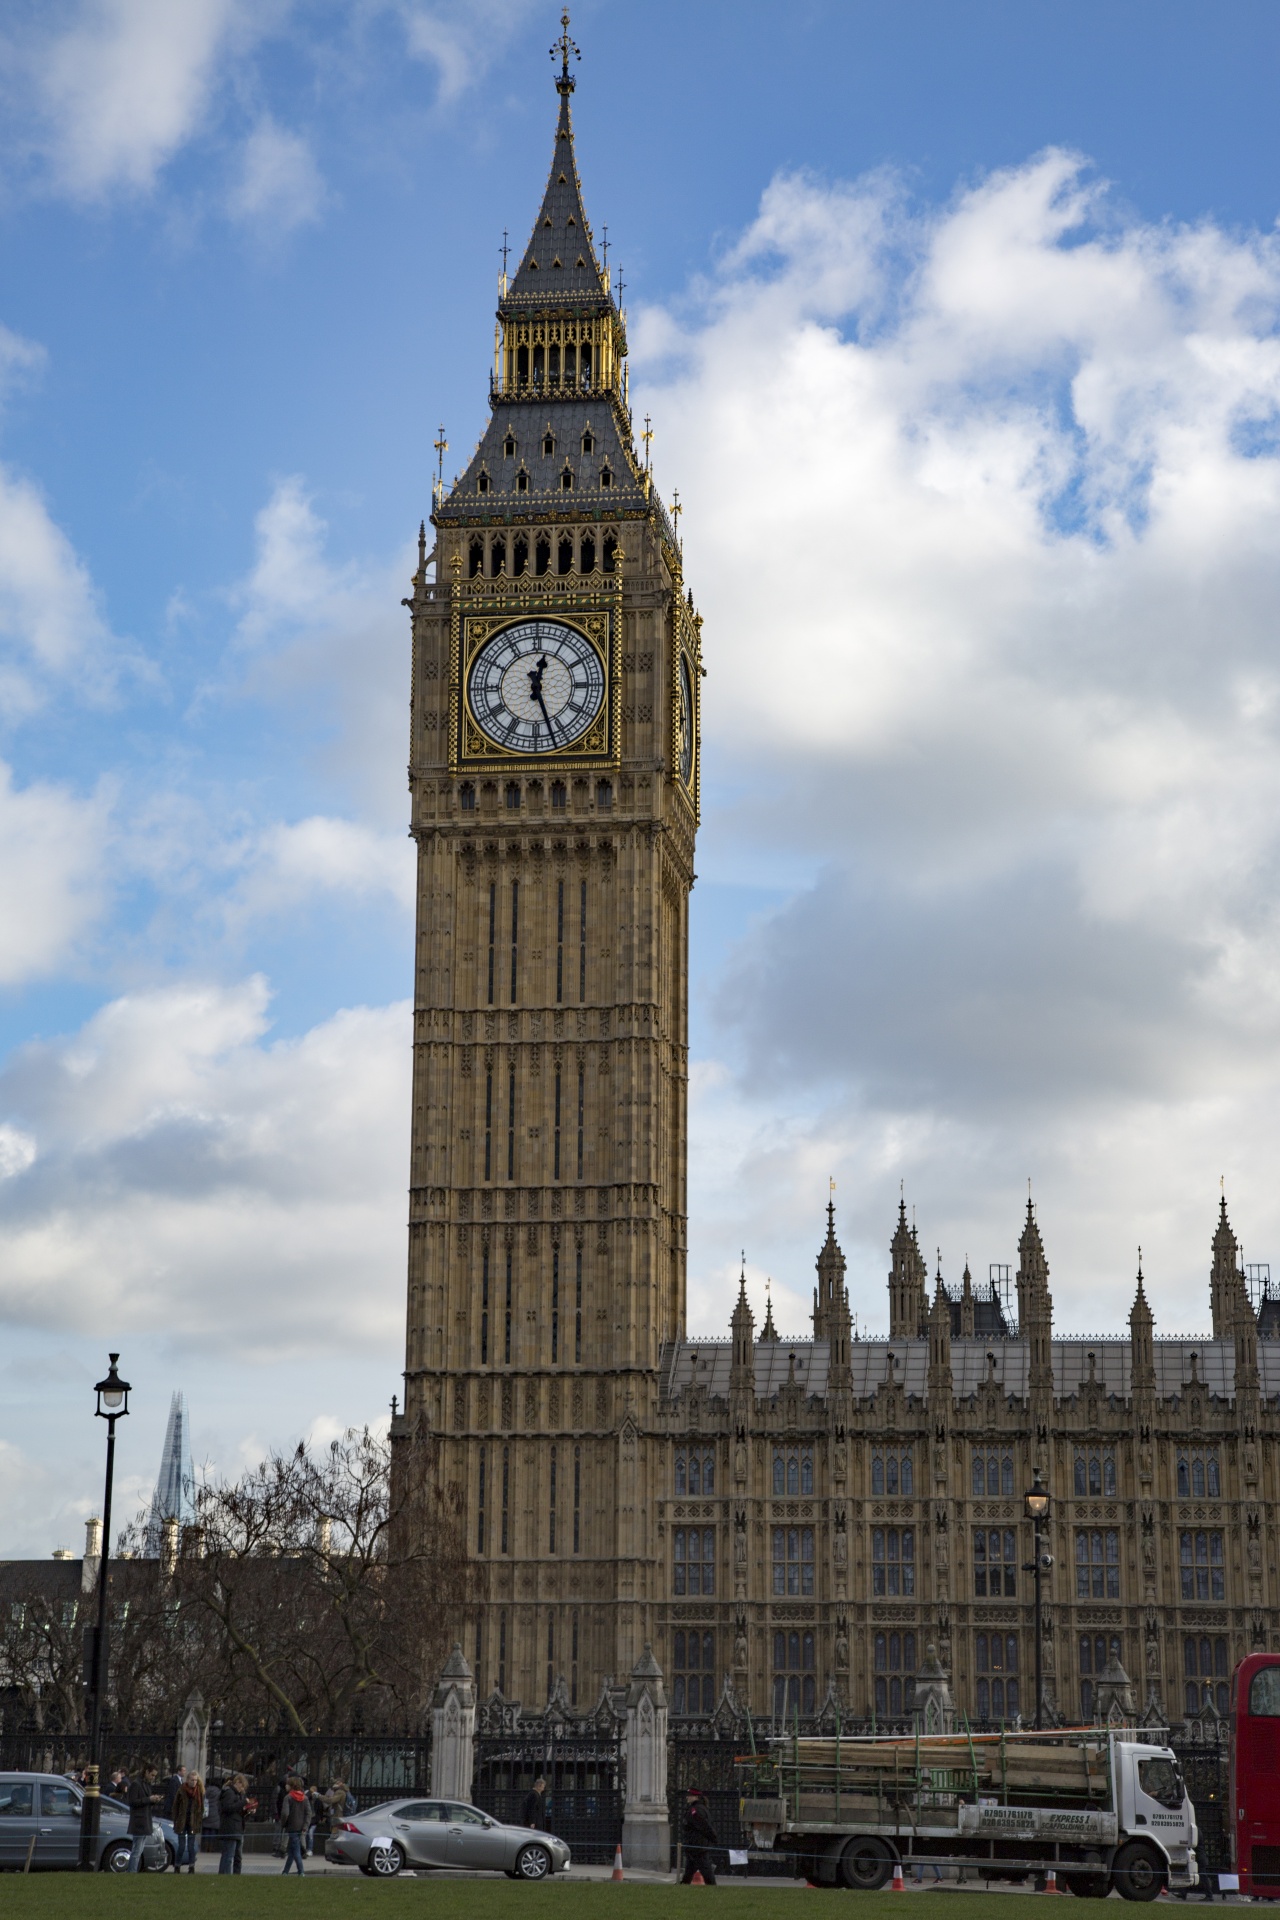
(536, 687)
(685, 743)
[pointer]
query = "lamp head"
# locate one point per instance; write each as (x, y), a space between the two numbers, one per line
(113, 1393)
(1036, 1499)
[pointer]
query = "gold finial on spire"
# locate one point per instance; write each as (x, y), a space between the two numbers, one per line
(564, 46)
(647, 437)
(441, 446)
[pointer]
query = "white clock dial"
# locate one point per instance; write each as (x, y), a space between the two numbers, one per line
(685, 742)
(536, 687)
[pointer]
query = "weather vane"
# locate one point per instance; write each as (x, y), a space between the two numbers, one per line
(564, 46)
(676, 511)
(647, 437)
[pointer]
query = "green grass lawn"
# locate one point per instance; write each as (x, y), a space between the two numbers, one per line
(44, 1896)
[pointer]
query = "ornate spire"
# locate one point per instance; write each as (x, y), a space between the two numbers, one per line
(1224, 1274)
(1141, 1347)
(908, 1281)
(560, 264)
(830, 1301)
(743, 1328)
(768, 1331)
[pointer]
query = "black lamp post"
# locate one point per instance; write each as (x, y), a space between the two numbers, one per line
(1037, 1504)
(113, 1404)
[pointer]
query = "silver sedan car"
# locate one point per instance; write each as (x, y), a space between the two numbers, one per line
(442, 1833)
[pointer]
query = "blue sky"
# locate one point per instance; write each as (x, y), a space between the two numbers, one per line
(957, 323)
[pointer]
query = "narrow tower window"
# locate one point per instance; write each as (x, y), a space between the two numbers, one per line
(542, 554)
(549, 445)
(488, 1126)
(573, 1669)
(551, 1536)
(513, 798)
(558, 800)
(570, 360)
(585, 363)
(582, 944)
(509, 446)
(493, 923)
(520, 551)
(522, 365)
(564, 562)
(467, 797)
(587, 563)
(480, 1507)
(502, 1653)
(559, 914)
(555, 1306)
(484, 1313)
(582, 1091)
(577, 1312)
(506, 1336)
(610, 551)
(482, 484)
(511, 1125)
(577, 1499)
(506, 1492)
(497, 546)
(604, 795)
(588, 443)
(515, 932)
(522, 486)
(555, 1175)
(606, 480)
(551, 1652)
(475, 563)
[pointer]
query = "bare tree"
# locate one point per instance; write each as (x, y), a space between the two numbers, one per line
(329, 1588)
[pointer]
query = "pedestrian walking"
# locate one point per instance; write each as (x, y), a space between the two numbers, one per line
(232, 1802)
(315, 1806)
(699, 1838)
(188, 1820)
(534, 1811)
(295, 1818)
(142, 1796)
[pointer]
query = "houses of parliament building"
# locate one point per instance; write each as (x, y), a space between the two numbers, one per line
(795, 1520)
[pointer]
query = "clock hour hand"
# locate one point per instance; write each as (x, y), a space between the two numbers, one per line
(535, 688)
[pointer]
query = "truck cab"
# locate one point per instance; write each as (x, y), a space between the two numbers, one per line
(1152, 1802)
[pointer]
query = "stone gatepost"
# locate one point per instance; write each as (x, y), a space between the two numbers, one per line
(646, 1827)
(933, 1706)
(453, 1730)
(192, 1744)
(1114, 1703)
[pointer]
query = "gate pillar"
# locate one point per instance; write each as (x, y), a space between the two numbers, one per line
(453, 1730)
(646, 1825)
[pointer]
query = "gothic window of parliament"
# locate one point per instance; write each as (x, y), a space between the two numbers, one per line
(794, 1681)
(1199, 1476)
(1204, 1663)
(793, 1560)
(695, 1470)
(792, 1470)
(992, 1473)
(893, 1560)
(995, 1563)
(1098, 1564)
(1095, 1472)
(695, 1560)
(693, 1682)
(1201, 1563)
(995, 1662)
(894, 1657)
(892, 1472)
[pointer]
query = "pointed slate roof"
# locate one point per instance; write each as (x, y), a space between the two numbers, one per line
(560, 261)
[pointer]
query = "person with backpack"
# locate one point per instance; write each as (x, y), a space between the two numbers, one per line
(295, 1818)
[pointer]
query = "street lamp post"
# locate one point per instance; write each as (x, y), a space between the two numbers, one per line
(1037, 1504)
(113, 1404)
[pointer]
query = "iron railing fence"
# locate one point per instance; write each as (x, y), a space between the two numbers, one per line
(584, 1769)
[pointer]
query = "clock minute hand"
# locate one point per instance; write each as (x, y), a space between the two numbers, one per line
(546, 716)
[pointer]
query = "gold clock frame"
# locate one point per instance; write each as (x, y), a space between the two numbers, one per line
(475, 619)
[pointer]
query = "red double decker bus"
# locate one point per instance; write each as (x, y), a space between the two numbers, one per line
(1255, 1774)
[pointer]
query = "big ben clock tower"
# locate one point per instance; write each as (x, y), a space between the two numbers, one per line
(554, 783)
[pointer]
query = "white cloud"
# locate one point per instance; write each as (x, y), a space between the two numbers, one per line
(50, 622)
(51, 888)
(279, 185)
(123, 84)
(983, 506)
(461, 40)
(182, 1154)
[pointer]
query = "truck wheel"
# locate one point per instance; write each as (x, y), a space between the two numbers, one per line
(1086, 1886)
(865, 1865)
(1138, 1872)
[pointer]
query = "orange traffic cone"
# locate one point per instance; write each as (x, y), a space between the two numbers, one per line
(1051, 1881)
(617, 1862)
(898, 1886)
(697, 1880)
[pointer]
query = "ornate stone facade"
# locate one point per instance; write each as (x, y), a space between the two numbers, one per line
(795, 1520)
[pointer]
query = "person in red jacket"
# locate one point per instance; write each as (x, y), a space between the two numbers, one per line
(295, 1818)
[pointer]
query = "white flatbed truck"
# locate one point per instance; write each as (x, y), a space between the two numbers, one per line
(1100, 1811)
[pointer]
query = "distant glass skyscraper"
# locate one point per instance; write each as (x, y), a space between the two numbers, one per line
(174, 1497)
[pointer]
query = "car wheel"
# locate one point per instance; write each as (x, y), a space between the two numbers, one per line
(1138, 1872)
(115, 1858)
(385, 1862)
(533, 1863)
(865, 1865)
